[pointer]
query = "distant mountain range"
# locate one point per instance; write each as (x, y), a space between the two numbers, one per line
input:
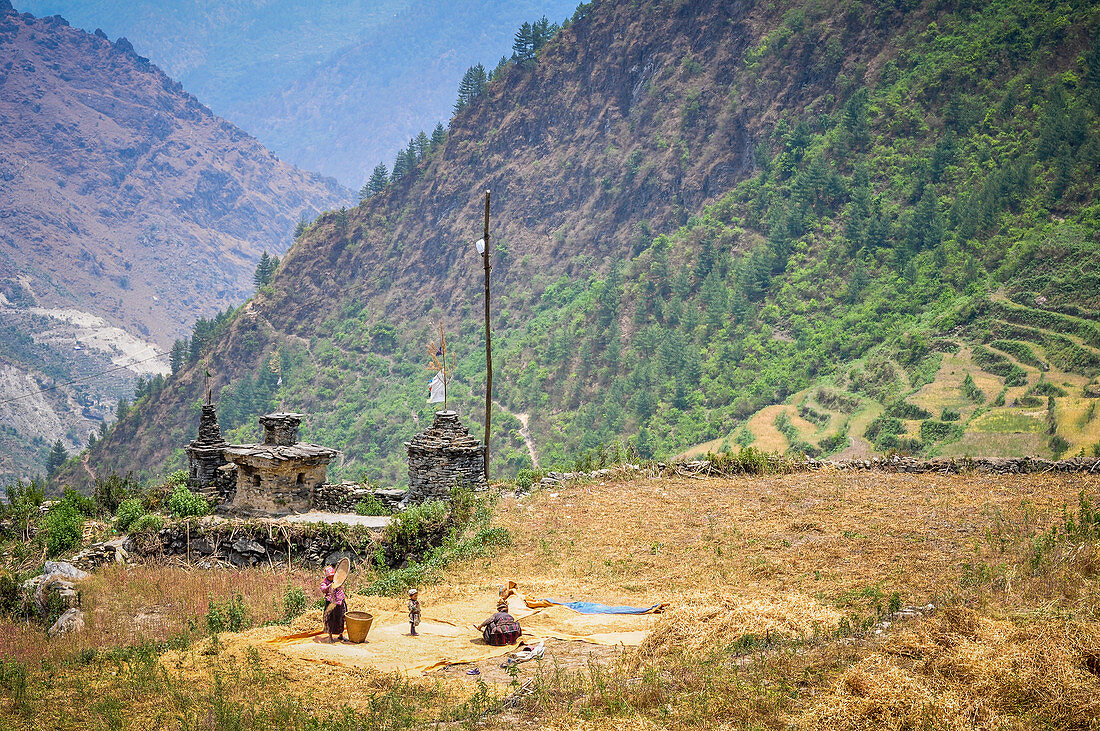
(127, 210)
(330, 86)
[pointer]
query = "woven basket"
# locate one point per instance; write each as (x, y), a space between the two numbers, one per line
(358, 625)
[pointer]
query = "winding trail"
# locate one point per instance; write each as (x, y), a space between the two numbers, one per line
(523, 431)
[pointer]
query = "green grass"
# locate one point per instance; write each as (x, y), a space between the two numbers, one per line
(1008, 421)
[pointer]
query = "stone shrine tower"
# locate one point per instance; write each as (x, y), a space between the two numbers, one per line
(205, 457)
(280, 475)
(443, 457)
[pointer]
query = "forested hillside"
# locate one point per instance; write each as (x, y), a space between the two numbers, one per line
(827, 227)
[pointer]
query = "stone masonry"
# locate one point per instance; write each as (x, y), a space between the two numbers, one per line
(443, 457)
(206, 457)
(280, 475)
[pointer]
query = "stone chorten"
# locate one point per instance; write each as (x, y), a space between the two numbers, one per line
(281, 474)
(206, 457)
(443, 457)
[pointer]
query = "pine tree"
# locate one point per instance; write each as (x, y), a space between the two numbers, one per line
(178, 355)
(439, 135)
(265, 270)
(401, 165)
(502, 64)
(471, 87)
(379, 178)
(56, 458)
(423, 145)
(523, 49)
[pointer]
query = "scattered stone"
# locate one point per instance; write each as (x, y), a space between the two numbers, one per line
(61, 568)
(244, 545)
(71, 621)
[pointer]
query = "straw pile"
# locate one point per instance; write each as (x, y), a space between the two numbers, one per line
(962, 670)
(707, 624)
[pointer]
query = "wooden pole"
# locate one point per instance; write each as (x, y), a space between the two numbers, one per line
(488, 343)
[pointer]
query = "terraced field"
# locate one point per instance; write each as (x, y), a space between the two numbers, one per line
(1024, 381)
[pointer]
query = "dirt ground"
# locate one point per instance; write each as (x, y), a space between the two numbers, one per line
(742, 563)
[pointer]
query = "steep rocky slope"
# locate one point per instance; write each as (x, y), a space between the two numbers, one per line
(336, 86)
(124, 204)
(701, 211)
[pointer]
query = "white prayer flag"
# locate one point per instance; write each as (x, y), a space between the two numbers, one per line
(435, 389)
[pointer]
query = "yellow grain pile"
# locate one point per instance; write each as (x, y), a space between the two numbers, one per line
(964, 671)
(706, 624)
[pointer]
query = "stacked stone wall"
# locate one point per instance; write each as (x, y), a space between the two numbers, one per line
(444, 457)
(342, 497)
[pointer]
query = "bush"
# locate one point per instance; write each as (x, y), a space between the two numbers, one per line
(294, 603)
(949, 415)
(525, 478)
(229, 615)
(904, 410)
(64, 526)
(371, 505)
(183, 503)
(936, 431)
(150, 522)
(84, 504)
(971, 390)
(111, 491)
(414, 532)
(129, 511)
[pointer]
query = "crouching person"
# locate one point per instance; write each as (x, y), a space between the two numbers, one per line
(501, 628)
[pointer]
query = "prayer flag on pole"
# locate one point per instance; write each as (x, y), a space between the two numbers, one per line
(436, 389)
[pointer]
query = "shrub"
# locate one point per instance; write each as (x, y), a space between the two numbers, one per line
(183, 503)
(949, 414)
(84, 504)
(109, 492)
(971, 390)
(525, 478)
(128, 511)
(64, 526)
(416, 530)
(294, 602)
(935, 431)
(1058, 445)
(371, 505)
(904, 410)
(149, 522)
(229, 615)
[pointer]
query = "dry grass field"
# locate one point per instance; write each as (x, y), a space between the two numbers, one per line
(775, 585)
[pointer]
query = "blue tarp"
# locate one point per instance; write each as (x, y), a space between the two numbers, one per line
(593, 608)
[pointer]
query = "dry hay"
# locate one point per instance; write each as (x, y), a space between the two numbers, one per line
(702, 624)
(965, 671)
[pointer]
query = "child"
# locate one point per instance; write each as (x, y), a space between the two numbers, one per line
(414, 612)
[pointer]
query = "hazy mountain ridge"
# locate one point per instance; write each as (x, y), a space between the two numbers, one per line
(122, 198)
(330, 86)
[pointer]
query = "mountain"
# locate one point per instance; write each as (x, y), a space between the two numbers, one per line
(127, 210)
(825, 228)
(333, 86)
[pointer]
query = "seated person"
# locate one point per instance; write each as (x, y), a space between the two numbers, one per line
(501, 628)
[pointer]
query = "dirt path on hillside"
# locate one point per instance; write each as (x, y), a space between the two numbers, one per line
(523, 432)
(87, 467)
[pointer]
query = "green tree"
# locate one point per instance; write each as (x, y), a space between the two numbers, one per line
(56, 458)
(379, 178)
(178, 355)
(523, 47)
(471, 87)
(439, 135)
(265, 270)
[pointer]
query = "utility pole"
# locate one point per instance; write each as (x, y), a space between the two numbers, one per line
(488, 342)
